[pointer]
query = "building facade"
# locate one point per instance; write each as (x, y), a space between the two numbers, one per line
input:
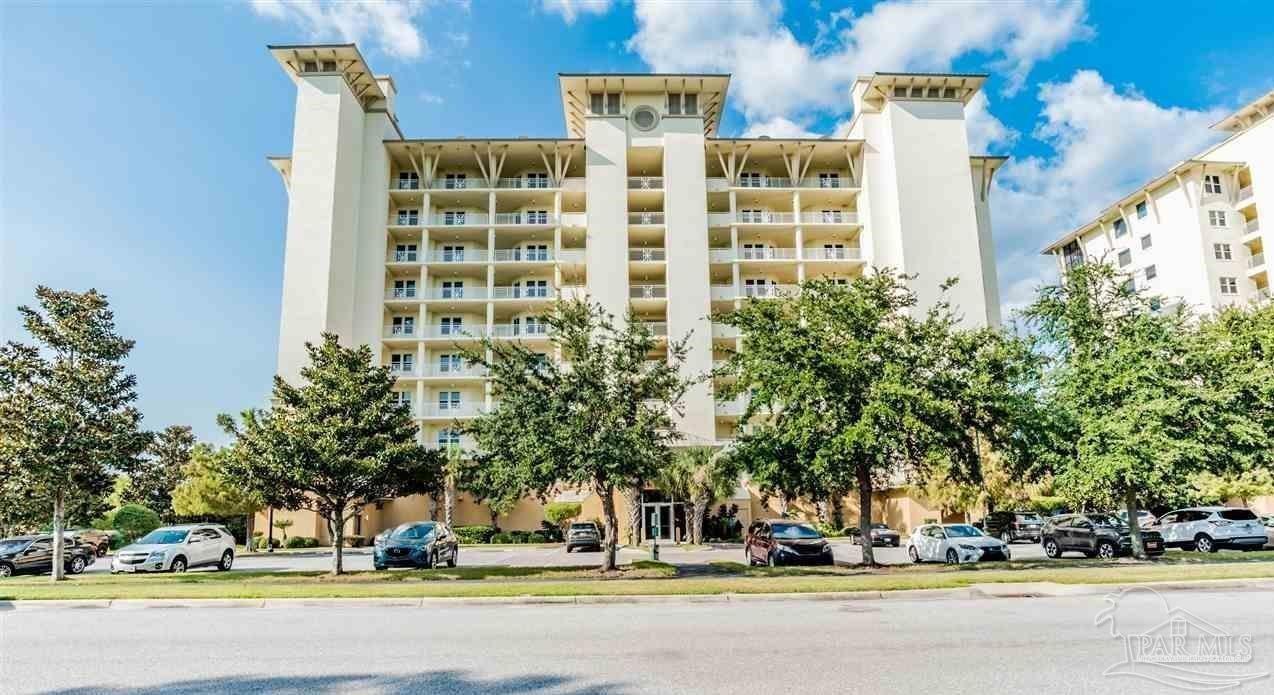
(419, 247)
(1194, 234)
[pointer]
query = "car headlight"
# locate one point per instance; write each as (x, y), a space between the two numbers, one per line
(964, 546)
(157, 556)
(786, 549)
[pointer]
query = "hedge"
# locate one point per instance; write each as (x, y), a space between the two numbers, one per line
(474, 534)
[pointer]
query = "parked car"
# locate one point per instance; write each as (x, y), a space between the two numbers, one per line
(1268, 520)
(1207, 529)
(955, 544)
(177, 549)
(98, 539)
(584, 534)
(34, 555)
(1095, 535)
(786, 542)
(422, 544)
(1144, 518)
(881, 534)
(1013, 526)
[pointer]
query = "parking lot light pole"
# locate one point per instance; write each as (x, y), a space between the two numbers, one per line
(654, 540)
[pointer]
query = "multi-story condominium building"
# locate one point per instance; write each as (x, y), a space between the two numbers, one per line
(1194, 234)
(421, 246)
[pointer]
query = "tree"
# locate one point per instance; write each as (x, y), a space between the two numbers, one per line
(206, 491)
(1220, 489)
(160, 472)
(134, 521)
(938, 488)
(66, 416)
(336, 443)
(283, 525)
(849, 389)
(560, 514)
(1123, 380)
(452, 470)
(700, 475)
(601, 422)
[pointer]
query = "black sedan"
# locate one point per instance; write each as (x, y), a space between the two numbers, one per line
(420, 544)
(34, 555)
(881, 534)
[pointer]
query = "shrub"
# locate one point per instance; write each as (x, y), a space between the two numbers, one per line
(355, 541)
(537, 537)
(502, 537)
(301, 542)
(551, 532)
(828, 530)
(134, 521)
(560, 513)
(474, 534)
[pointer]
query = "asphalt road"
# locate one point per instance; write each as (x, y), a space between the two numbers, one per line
(1021, 645)
(361, 559)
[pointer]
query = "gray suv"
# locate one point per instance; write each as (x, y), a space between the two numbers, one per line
(583, 535)
(1095, 535)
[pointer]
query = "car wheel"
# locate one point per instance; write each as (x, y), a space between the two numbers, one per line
(6, 570)
(1105, 550)
(771, 560)
(569, 549)
(1051, 548)
(227, 561)
(179, 564)
(1204, 543)
(451, 559)
(953, 558)
(432, 560)
(77, 565)
(913, 554)
(101, 550)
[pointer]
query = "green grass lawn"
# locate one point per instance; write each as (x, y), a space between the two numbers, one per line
(640, 578)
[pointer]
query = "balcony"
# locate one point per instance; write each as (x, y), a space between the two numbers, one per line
(1244, 196)
(732, 408)
(574, 219)
(396, 256)
(525, 219)
(402, 294)
(451, 371)
(399, 332)
(527, 183)
(656, 328)
(769, 290)
(651, 255)
(829, 217)
(1264, 296)
(453, 332)
(648, 292)
(451, 410)
(832, 254)
(764, 217)
(645, 218)
(768, 253)
(519, 292)
(571, 256)
(460, 219)
(457, 293)
(1252, 226)
(457, 184)
(522, 255)
(401, 372)
(826, 183)
(406, 220)
(723, 292)
(721, 330)
(520, 330)
(1256, 261)
(458, 256)
(645, 183)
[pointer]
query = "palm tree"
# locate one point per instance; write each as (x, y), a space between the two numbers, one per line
(451, 473)
(701, 475)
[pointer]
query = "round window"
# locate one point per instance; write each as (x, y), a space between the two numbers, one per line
(645, 118)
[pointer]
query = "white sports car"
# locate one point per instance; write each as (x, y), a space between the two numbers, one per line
(954, 544)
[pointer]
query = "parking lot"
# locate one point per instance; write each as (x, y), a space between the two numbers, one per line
(537, 556)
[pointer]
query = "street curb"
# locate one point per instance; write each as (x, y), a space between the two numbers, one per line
(974, 591)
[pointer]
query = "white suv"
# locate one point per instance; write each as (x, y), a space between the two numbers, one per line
(1208, 528)
(176, 549)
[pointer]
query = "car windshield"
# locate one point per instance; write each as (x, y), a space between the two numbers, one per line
(1106, 520)
(1030, 518)
(413, 531)
(1237, 514)
(795, 531)
(882, 527)
(163, 536)
(962, 531)
(583, 527)
(7, 547)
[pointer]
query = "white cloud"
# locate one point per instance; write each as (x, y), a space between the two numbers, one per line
(987, 134)
(778, 127)
(388, 24)
(775, 74)
(570, 10)
(1105, 142)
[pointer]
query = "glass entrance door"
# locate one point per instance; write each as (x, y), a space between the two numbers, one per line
(658, 520)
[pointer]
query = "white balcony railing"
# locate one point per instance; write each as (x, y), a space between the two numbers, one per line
(475, 291)
(818, 253)
(403, 371)
(522, 255)
(458, 256)
(403, 220)
(397, 256)
(1253, 225)
(723, 292)
(453, 332)
(829, 217)
(720, 330)
(764, 217)
(402, 293)
(451, 410)
(648, 292)
(533, 183)
(825, 183)
(720, 255)
(645, 218)
(733, 408)
(768, 253)
(457, 371)
(1245, 193)
(460, 219)
(530, 218)
(399, 332)
(645, 183)
(443, 183)
(520, 292)
(647, 255)
(574, 219)
(746, 181)
(571, 256)
(656, 328)
(769, 290)
(519, 330)
(1257, 260)
(1263, 295)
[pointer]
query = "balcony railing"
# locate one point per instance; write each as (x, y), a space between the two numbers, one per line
(571, 256)
(475, 291)
(524, 218)
(393, 332)
(522, 255)
(1245, 193)
(645, 183)
(1263, 295)
(768, 253)
(405, 185)
(402, 371)
(406, 220)
(769, 290)
(656, 328)
(783, 182)
(451, 410)
(829, 217)
(457, 371)
(458, 184)
(519, 330)
(648, 292)
(1257, 260)
(720, 255)
(520, 292)
(402, 293)
(647, 255)
(645, 218)
(458, 256)
(833, 254)
(721, 330)
(453, 332)
(460, 219)
(734, 407)
(574, 219)
(723, 292)
(404, 256)
(535, 183)
(764, 217)
(1253, 225)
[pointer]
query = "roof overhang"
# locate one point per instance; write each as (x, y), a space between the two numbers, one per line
(881, 86)
(1249, 115)
(575, 88)
(344, 57)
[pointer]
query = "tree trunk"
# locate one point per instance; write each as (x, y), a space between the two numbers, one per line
(337, 523)
(1138, 547)
(269, 531)
(864, 513)
(821, 511)
(632, 500)
(611, 532)
(700, 510)
(495, 518)
(247, 531)
(783, 505)
(838, 512)
(59, 543)
(449, 501)
(433, 507)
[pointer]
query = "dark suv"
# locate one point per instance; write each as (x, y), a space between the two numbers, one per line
(1013, 526)
(34, 554)
(1095, 535)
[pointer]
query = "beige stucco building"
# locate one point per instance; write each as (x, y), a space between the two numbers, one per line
(1193, 234)
(417, 246)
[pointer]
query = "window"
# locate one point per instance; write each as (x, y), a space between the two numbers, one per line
(405, 253)
(532, 252)
(409, 180)
(690, 104)
(448, 400)
(612, 104)
(645, 118)
(829, 180)
(402, 362)
(450, 363)
(1216, 218)
(408, 217)
(403, 325)
(452, 254)
(402, 398)
(836, 251)
(537, 179)
(1156, 304)
(596, 102)
(1120, 228)
(404, 289)
(949, 93)
(1072, 254)
(1145, 242)
(1141, 209)
(309, 66)
(750, 179)
(454, 181)
(453, 289)
(1125, 257)
(537, 216)
(1212, 184)
(451, 325)
(1151, 272)
(935, 93)
(831, 216)
(448, 437)
(1222, 252)
(453, 217)
(900, 92)
(1229, 285)
(533, 288)
(329, 66)
(751, 215)
(753, 251)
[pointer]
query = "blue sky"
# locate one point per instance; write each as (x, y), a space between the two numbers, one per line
(133, 138)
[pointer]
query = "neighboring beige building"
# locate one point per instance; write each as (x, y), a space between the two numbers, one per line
(416, 246)
(1194, 234)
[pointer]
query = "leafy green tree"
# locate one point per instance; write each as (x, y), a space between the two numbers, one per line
(701, 475)
(1219, 489)
(1124, 382)
(134, 521)
(601, 422)
(948, 495)
(560, 513)
(67, 422)
(160, 471)
(851, 388)
(334, 444)
(1231, 357)
(206, 491)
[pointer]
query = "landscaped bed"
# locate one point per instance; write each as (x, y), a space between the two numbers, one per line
(641, 578)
